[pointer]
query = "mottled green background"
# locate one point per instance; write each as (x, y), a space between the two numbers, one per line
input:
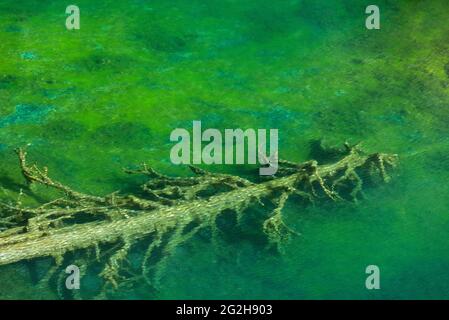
(108, 95)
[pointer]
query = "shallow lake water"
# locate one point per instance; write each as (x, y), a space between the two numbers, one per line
(107, 96)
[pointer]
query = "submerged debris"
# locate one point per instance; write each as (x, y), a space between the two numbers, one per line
(168, 212)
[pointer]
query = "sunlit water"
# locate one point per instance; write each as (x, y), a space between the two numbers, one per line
(108, 95)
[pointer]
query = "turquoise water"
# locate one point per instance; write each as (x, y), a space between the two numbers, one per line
(107, 96)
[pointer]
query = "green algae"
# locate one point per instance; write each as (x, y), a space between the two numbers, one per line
(122, 135)
(26, 113)
(309, 67)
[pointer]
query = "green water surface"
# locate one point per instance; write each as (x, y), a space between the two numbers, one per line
(107, 96)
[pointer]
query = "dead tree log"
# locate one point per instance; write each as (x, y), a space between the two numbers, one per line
(173, 210)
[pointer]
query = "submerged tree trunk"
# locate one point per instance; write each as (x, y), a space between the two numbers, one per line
(172, 210)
